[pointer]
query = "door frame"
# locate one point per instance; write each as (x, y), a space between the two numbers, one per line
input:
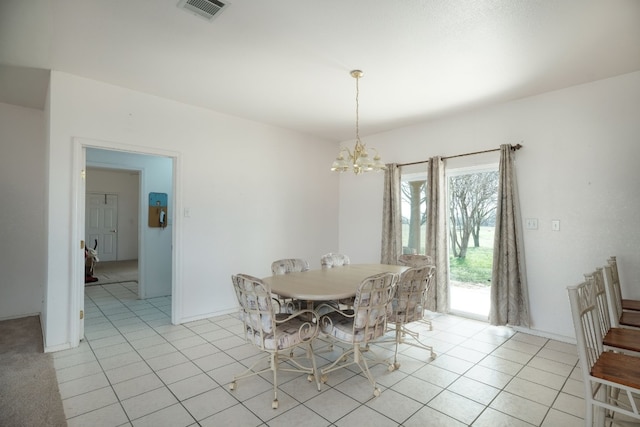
(79, 167)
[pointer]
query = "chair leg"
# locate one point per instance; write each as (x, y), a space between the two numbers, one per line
(361, 361)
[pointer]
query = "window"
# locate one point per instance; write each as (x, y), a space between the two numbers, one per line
(414, 213)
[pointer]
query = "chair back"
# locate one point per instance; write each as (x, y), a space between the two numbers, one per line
(256, 308)
(408, 303)
(331, 260)
(597, 281)
(586, 319)
(413, 260)
(289, 265)
(371, 304)
(614, 294)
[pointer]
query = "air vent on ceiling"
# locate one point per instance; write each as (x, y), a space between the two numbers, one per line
(207, 9)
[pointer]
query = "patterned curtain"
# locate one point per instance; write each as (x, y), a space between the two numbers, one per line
(437, 235)
(509, 294)
(391, 216)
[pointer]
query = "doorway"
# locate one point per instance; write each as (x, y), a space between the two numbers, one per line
(472, 213)
(157, 260)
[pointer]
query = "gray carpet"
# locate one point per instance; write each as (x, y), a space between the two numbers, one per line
(29, 394)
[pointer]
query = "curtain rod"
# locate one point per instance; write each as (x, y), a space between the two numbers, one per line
(513, 148)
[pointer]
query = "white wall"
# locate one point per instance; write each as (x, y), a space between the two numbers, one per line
(22, 217)
(126, 184)
(578, 165)
(255, 192)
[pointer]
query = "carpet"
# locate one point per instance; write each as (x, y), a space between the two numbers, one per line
(29, 394)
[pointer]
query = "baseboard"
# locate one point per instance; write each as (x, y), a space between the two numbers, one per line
(207, 315)
(544, 334)
(20, 316)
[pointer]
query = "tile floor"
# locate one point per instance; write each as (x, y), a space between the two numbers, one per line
(136, 369)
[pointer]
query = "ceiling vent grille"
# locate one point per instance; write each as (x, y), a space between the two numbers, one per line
(207, 9)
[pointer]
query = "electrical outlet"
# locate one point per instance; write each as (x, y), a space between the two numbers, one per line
(555, 225)
(531, 223)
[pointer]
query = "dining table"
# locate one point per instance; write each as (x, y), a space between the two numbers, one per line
(327, 284)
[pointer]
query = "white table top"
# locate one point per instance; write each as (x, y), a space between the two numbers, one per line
(327, 284)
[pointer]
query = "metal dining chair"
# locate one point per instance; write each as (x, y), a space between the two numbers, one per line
(276, 334)
(415, 260)
(331, 260)
(286, 266)
(362, 325)
(407, 306)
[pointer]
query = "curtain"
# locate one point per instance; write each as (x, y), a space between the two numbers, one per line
(509, 294)
(391, 216)
(437, 235)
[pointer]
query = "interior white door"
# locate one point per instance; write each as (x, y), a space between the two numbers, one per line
(101, 219)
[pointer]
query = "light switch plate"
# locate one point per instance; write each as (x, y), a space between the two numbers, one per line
(531, 223)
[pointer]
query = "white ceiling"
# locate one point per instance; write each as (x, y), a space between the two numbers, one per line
(287, 62)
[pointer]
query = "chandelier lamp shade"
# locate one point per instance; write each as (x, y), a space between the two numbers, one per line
(357, 160)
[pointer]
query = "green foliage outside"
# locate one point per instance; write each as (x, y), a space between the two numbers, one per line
(474, 268)
(477, 265)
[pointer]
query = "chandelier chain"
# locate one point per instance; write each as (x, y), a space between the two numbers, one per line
(357, 109)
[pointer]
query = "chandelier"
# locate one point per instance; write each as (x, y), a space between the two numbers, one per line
(358, 160)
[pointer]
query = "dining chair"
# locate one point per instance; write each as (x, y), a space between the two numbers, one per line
(619, 316)
(623, 340)
(407, 306)
(331, 260)
(611, 379)
(414, 260)
(289, 265)
(365, 323)
(286, 266)
(625, 304)
(276, 334)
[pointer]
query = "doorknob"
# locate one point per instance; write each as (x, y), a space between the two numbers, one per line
(114, 231)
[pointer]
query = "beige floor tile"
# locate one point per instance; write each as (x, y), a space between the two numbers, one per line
(474, 390)
(456, 406)
(148, 402)
(112, 415)
(519, 407)
(236, 415)
(174, 416)
(211, 402)
(430, 417)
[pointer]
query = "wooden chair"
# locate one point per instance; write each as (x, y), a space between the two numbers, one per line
(624, 340)
(407, 306)
(362, 325)
(611, 380)
(619, 316)
(274, 333)
(626, 304)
